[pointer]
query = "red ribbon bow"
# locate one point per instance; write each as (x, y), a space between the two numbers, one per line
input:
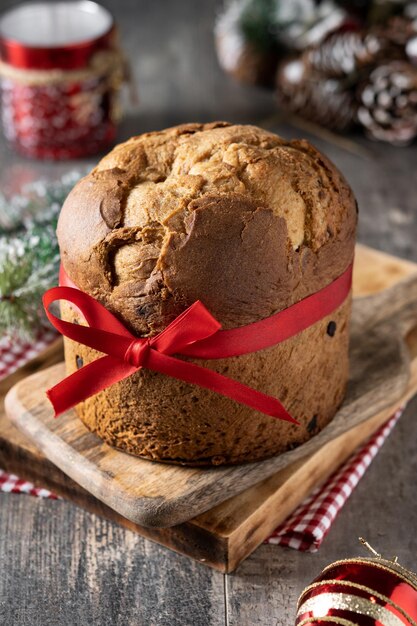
(195, 333)
(126, 354)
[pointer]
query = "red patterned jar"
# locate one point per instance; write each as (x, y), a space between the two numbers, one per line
(61, 70)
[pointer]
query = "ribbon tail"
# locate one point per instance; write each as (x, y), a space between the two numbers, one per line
(107, 370)
(203, 377)
(88, 381)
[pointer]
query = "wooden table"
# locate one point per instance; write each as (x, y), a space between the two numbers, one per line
(62, 566)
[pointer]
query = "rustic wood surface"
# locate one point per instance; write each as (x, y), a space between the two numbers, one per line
(63, 566)
(225, 535)
(160, 495)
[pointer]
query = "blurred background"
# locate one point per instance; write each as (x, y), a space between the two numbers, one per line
(346, 65)
(170, 47)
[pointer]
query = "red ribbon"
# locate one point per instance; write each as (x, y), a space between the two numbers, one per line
(194, 333)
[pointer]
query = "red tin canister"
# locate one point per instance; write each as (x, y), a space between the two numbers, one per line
(61, 70)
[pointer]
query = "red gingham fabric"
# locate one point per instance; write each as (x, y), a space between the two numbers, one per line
(12, 356)
(308, 525)
(15, 354)
(9, 483)
(303, 530)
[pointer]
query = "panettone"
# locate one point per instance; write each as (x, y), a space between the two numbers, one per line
(248, 223)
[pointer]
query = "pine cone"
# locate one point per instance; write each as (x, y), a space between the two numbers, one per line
(388, 103)
(411, 50)
(398, 30)
(244, 62)
(319, 99)
(345, 53)
(410, 12)
(303, 23)
(253, 62)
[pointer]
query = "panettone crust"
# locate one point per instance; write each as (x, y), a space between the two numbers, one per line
(243, 220)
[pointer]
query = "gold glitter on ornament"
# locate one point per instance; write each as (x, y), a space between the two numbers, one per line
(322, 604)
(332, 619)
(352, 585)
(372, 587)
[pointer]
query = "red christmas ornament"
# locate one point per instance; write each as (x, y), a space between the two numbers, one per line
(360, 591)
(60, 69)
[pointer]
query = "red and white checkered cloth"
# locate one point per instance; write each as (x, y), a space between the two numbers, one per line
(15, 354)
(9, 483)
(304, 529)
(308, 525)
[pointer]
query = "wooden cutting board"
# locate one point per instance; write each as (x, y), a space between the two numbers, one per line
(231, 530)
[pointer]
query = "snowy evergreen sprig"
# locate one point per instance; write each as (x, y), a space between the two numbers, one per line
(39, 201)
(29, 255)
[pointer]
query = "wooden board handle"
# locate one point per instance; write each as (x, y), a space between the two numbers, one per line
(396, 307)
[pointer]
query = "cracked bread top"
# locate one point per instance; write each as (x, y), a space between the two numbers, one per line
(235, 216)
